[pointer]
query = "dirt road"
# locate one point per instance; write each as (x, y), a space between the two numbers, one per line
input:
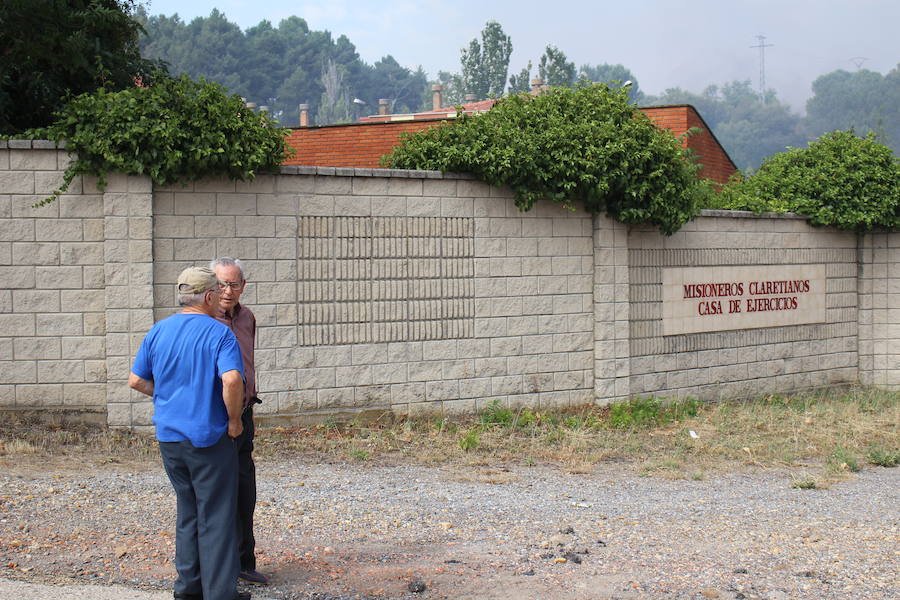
(362, 530)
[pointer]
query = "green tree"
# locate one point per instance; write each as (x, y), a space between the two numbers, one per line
(50, 49)
(404, 88)
(280, 66)
(334, 106)
(520, 83)
(174, 130)
(750, 129)
(485, 65)
(215, 49)
(454, 89)
(612, 75)
(576, 146)
(554, 69)
(840, 180)
(864, 101)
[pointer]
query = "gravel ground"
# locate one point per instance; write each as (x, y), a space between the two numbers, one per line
(341, 531)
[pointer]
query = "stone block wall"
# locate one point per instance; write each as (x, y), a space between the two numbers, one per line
(52, 299)
(745, 362)
(394, 290)
(411, 291)
(128, 268)
(612, 311)
(879, 310)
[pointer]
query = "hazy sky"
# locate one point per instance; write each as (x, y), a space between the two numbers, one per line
(665, 43)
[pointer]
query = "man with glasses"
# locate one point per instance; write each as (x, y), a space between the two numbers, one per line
(242, 322)
(190, 364)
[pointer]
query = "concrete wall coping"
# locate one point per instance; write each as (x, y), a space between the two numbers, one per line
(31, 145)
(369, 172)
(746, 214)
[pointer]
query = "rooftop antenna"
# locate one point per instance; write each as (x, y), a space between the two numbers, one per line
(858, 61)
(762, 65)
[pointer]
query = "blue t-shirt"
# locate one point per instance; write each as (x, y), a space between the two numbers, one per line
(185, 356)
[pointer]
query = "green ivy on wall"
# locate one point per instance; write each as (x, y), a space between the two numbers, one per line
(585, 145)
(174, 130)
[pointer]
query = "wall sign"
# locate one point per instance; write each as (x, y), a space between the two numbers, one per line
(721, 298)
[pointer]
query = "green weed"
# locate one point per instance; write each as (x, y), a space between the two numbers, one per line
(806, 482)
(881, 457)
(842, 459)
(642, 413)
(526, 418)
(360, 454)
(469, 441)
(496, 414)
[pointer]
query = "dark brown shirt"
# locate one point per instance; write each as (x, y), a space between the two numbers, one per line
(243, 324)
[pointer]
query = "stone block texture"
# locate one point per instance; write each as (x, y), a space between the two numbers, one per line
(747, 362)
(410, 291)
(51, 259)
(879, 299)
(375, 291)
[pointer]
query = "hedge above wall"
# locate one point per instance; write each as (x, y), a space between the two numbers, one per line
(586, 145)
(174, 130)
(840, 180)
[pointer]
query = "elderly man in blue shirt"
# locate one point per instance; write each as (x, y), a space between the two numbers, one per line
(191, 365)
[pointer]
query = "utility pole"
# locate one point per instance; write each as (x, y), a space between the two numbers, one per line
(762, 65)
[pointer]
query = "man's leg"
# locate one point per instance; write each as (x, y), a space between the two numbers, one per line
(246, 501)
(214, 475)
(187, 556)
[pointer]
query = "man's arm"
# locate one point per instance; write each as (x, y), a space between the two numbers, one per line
(233, 395)
(140, 384)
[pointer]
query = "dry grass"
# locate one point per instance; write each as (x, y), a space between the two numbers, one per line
(21, 436)
(821, 437)
(798, 432)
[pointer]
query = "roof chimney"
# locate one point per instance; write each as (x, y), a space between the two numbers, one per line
(304, 115)
(383, 106)
(437, 102)
(470, 97)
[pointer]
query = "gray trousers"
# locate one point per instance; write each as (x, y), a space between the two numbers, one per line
(246, 495)
(206, 536)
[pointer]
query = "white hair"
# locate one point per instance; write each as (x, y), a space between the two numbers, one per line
(227, 261)
(191, 299)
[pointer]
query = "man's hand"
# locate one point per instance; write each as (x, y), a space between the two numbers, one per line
(142, 385)
(233, 396)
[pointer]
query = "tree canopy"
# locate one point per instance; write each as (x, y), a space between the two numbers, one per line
(864, 101)
(485, 65)
(555, 69)
(520, 82)
(749, 128)
(584, 145)
(282, 66)
(615, 75)
(52, 49)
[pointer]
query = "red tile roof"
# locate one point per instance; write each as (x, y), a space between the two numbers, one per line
(362, 144)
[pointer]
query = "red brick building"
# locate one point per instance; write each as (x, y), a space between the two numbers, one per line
(362, 144)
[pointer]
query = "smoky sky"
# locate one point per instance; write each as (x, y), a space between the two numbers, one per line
(666, 43)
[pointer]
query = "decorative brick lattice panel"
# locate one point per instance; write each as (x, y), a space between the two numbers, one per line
(385, 279)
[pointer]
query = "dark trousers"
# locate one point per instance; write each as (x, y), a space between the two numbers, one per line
(205, 483)
(246, 495)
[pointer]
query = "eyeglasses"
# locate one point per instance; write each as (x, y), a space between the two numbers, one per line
(235, 285)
